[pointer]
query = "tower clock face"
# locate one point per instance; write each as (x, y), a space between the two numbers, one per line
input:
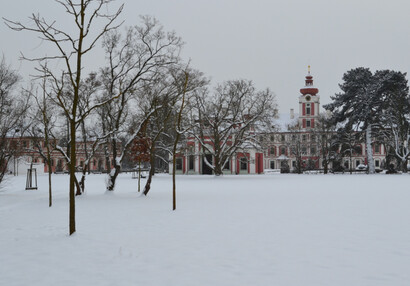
(308, 97)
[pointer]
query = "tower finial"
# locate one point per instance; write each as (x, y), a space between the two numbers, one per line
(309, 69)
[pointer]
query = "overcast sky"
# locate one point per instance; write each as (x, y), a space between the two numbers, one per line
(270, 42)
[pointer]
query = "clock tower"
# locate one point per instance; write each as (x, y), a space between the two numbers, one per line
(309, 102)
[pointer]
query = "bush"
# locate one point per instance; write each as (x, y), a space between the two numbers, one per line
(284, 168)
(391, 169)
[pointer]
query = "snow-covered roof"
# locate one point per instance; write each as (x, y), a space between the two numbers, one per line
(283, 157)
(284, 120)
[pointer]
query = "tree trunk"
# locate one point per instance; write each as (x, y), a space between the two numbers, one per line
(50, 171)
(404, 166)
(50, 197)
(72, 178)
(369, 149)
(218, 169)
(77, 186)
(174, 150)
(81, 188)
(107, 158)
(81, 185)
(148, 183)
(151, 172)
(139, 176)
(112, 177)
(174, 187)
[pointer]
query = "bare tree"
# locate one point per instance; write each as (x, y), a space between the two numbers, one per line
(395, 117)
(297, 142)
(44, 120)
(179, 131)
(174, 93)
(397, 137)
(228, 118)
(325, 132)
(90, 140)
(71, 49)
(349, 142)
(134, 62)
(12, 111)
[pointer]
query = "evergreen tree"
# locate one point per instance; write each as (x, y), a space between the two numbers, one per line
(393, 91)
(357, 105)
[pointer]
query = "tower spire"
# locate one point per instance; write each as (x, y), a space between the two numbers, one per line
(309, 88)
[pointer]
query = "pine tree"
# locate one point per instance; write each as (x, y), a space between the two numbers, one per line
(357, 105)
(393, 91)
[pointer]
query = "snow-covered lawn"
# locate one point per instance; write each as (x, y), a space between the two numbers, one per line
(233, 230)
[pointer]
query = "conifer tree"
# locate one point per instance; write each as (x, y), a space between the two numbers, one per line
(393, 91)
(357, 105)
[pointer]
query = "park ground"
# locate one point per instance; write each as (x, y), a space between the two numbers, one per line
(232, 230)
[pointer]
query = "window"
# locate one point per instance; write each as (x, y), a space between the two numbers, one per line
(313, 138)
(304, 138)
(272, 164)
(307, 108)
(272, 138)
(357, 163)
(377, 148)
(282, 138)
(377, 163)
(191, 162)
(304, 150)
(283, 150)
(293, 138)
(244, 163)
(313, 150)
(357, 150)
(272, 151)
(308, 123)
(178, 164)
(293, 164)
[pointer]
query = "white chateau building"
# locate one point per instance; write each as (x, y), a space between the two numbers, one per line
(296, 140)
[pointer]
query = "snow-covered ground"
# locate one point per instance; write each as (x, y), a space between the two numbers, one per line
(233, 230)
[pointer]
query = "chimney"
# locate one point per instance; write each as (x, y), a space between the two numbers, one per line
(292, 113)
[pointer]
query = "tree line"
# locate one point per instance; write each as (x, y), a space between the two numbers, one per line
(146, 100)
(140, 104)
(374, 108)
